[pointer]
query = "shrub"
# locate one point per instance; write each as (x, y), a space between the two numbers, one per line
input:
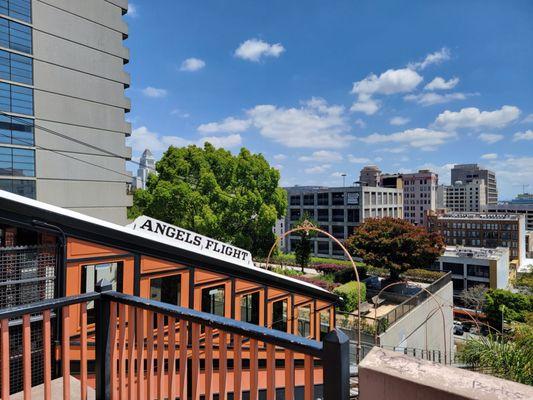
(286, 271)
(349, 292)
(328, 268)
(423, 274)
(346, 275)
(316, 280)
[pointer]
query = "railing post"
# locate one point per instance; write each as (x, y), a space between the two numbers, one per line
(103, 345)
(336, 364)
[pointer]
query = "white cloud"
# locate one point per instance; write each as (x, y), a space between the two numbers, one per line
(394, 150)
(192, 64)
(490, 138)
(512, 173)
(322, 156)
(154, 92)
(360, 123)
(142, 138)
(440, 84)
(527, 135)
(314, 125)
(489, 156)
(229, 124)
(358, 160)
(399, 121)
(255, 49)
(420, 138)
(132, 11)
(472, 117)
(280, 157)
(337, 174)
(180, 113)
(319, 169)
(528, 119)
(437, 57)
(429, 99)
(389, 82)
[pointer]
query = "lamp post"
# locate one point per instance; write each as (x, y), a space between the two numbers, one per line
(343, 180)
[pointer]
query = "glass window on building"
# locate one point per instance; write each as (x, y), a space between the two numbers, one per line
(304, 321)
(213, 300)
(480, 271)
(322, 199)
(456, 268)
(309, 199)
(353, 215)
(16, 68)
(295, 214)
(166, 289)
(19, 9)
(279, 315)
(337, 215)
(337, 250)
(338, 231)
(295, 200)
(458, 284)
(14, 130)
(250, 308)
(17, 99)
(17, 162)
(323, 247)
(15, 36)
(21, 187)
(324, 324)
(94, 273)
(323, 215)
(337, 199)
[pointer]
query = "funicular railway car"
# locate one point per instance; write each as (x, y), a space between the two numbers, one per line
(47, 251)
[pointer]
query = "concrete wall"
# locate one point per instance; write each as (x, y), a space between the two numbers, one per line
(386, 375)
(79, 80)
(411, 330)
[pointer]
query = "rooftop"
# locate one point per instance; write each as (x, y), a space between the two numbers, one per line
(481, 216)
(476, 252)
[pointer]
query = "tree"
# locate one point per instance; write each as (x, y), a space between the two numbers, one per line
(474, 297)
(394, 244)
(505, 305)
(232, 198)
(302, 252)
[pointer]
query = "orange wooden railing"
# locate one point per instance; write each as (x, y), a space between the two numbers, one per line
(183, 354)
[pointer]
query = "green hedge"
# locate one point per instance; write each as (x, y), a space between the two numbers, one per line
(423, 274)
(349, 293)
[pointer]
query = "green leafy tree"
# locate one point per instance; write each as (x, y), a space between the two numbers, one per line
(394, 244)
(232, 198)
(302, 252)
(503, 304)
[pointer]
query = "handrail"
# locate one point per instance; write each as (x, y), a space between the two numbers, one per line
(32, 308)
(260, 333)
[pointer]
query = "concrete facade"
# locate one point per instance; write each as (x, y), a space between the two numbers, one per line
(420, 195)
(514, 208)
(467, 173)
(339, 210)
(79, 105)
(464, 196)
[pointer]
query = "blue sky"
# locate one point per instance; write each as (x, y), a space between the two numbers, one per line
(325, 87)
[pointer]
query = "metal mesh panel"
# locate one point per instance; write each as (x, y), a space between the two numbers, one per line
(27, 274)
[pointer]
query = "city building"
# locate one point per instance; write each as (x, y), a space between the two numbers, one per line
(338, 210)
(420, 195)
(523, 204)
(279, 232)
(146, 167)
(475, 266)
(463, 196)
(490, 230)
(63, 105)
(370, 176)
(467, 173)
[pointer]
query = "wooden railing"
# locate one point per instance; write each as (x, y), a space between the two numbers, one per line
(145, 349)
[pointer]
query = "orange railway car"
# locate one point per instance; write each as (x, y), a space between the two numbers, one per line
(47, 251)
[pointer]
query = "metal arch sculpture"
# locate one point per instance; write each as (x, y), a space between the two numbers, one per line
(306, 226)
(439, 306)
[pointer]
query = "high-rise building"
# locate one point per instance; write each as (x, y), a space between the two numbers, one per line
(146, 167)
(522, 204)
(370, 176)
(467, 173)
(464, 197)
(420, 195)
(338, 211)
(62, 113)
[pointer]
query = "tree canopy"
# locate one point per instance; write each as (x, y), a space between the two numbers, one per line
(232, 198)
(394, 244)
(514, 306)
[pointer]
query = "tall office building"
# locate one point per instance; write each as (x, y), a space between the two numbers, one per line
(146, 167)
(420, 195)
(62, 106)
(464, 197)
(467, 173)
